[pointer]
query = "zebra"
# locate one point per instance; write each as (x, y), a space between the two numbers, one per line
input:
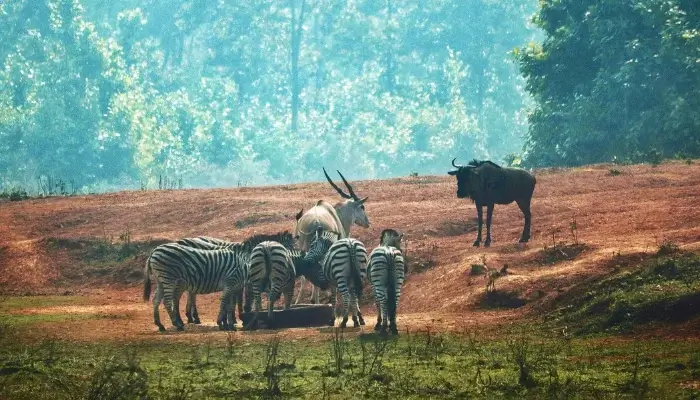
(386, 271)
(210, 243)
(178, 268)
(274, 268)
(344, 266)
(338, 218)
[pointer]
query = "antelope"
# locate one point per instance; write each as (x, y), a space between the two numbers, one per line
(336, 218)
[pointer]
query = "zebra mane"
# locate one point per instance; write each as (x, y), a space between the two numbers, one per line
(285, 238)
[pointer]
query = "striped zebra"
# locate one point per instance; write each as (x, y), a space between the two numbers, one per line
(344, 266)
(210, 243)
(178, 268)
(386, 271)
(274, 268)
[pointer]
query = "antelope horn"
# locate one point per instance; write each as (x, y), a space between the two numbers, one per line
(339, 190)
(352, 192)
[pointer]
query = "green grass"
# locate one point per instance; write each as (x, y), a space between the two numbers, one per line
(11, 303)
(515, 365)
(665, 288)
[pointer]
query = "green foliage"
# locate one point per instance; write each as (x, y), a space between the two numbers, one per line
(662, 289)
(613, 79)
(112, 95)
(518, 364)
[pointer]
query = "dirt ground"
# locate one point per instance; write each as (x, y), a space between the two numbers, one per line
(628, 214)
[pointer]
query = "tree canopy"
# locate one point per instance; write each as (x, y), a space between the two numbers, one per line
(260, 91)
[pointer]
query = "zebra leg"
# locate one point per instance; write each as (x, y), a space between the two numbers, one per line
(176, 308)
(392, 322)
(157, 298)
(248, 298)
(170, 297)
(378, 306)
(239, 301)
(271, 298)
(301, 289)
(288, 295)
(253, 323)
(346, 306)
(359, 314)
(191, 310)
(221, 320)
(355, 310)
(314, 294)
(334, 293)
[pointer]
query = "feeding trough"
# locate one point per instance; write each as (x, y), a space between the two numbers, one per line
(299, 315)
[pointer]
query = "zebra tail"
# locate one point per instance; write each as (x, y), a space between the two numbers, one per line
(391, 288)
(147, 280)
(355, 273)
(268, 268)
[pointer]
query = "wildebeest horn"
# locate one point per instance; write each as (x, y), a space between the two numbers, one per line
(455, 165)
(339, 190)
(299, 214)
(352, 192)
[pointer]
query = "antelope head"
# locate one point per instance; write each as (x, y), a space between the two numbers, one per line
(356, 204)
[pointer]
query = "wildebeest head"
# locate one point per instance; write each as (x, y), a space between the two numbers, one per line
(356, 204)
(467, 179)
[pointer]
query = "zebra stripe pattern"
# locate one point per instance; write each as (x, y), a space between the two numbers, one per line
(211, 243)
(271, 269)
(345, 266)
(178, 268)
(386, 275)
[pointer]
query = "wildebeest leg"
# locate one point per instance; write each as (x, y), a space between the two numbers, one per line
(489, 214)
(525, 208)
(480, 217)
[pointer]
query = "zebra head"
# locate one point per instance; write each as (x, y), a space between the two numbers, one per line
(321, 242)
(391, 237)
(353, 203)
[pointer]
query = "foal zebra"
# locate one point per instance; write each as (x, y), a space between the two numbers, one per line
(178, 268)
(210, 243)
(273, 268)
(345, 266)
(386, 272)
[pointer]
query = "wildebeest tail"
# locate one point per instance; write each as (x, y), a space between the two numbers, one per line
(355, 272)
(391, 286)
(147, 280)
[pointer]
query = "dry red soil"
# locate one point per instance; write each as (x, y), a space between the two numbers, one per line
(630, 213)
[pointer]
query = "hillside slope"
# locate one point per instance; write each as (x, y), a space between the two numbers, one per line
(42, 240)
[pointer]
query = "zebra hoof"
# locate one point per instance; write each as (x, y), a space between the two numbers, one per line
(197, 321)
(180, 328)
(477, 243)
(362, 320)
(378, 327)
(487, 243)
(161, 328)
(394, 331)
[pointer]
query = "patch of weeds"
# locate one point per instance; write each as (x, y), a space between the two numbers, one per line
(413, 175)
(272, 367)
(118, 378)
(52, 186)
(560, 252)
(496, 299)
(615, 172)
(667, 248)
(664, 288)
(168, 183)
(418, 262)
(14, 193)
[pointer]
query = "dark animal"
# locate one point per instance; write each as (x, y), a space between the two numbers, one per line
(488, 184)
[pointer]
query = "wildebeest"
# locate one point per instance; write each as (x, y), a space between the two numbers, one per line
(337, 218)
(487, 184)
